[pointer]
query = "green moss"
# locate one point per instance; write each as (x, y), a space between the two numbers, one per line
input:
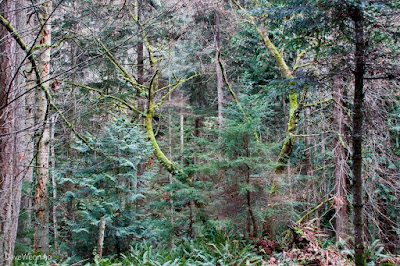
(360, 260)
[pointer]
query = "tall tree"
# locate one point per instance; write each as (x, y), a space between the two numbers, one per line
(357, 16)
(42, 138)
(11, 115)
(340, 161)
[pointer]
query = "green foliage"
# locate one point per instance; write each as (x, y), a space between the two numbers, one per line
(109, 186)
(195, 253)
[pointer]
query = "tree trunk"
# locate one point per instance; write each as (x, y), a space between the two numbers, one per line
(254, 233)
(340, 164)
(41, 206)
(309, 168)
(25, 224)
(139, 46)
(218, 70)
(100, 242)
(356, 14)
(182, 135)
(53, 181)
(11, 115)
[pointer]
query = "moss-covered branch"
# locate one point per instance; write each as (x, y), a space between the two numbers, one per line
(268, 43)
(173, 87)
(126, 76)
(107, 96)
(302, 219)
(171, 167)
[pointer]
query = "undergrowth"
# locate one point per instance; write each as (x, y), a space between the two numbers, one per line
(223, 251)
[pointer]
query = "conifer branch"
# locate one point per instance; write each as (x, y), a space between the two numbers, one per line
(45, 46)
(233, 93)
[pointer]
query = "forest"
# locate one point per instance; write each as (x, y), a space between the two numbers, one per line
(200, 132)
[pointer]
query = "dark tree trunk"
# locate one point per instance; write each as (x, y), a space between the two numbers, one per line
(356, 14)
(139, 48)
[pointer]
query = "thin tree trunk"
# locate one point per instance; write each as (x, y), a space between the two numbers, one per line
(182, 120)
(170, 176)
(308, 160)
(41, 207)
(100, 242)
(139, 46)
(357, 17)
(340, 162)
(26, 201)
(218, 70)
(248, 196)
(249, 205)
(309, 168)
(53, 181)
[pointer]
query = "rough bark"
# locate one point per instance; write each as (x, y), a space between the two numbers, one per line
(42, 138)
(26, 200)
(356, 14)
(53, 180)
(100, 242)
(11, 114)
(218, 71)
(340, 163)
(139, 46)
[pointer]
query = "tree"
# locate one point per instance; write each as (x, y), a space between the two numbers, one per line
(357, 15)
(107, 190)
(42, 136)
(11, 126)
(289, 74)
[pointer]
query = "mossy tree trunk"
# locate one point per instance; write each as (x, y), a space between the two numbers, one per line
(289, 74)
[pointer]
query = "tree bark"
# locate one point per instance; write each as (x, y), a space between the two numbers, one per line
(356, 14)
(26, 200)
(100, 242)
(340, 163)
(139, 46)
(53, 181)
(309, 168)
(42, 138)
(11, 114)
(218, 70)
